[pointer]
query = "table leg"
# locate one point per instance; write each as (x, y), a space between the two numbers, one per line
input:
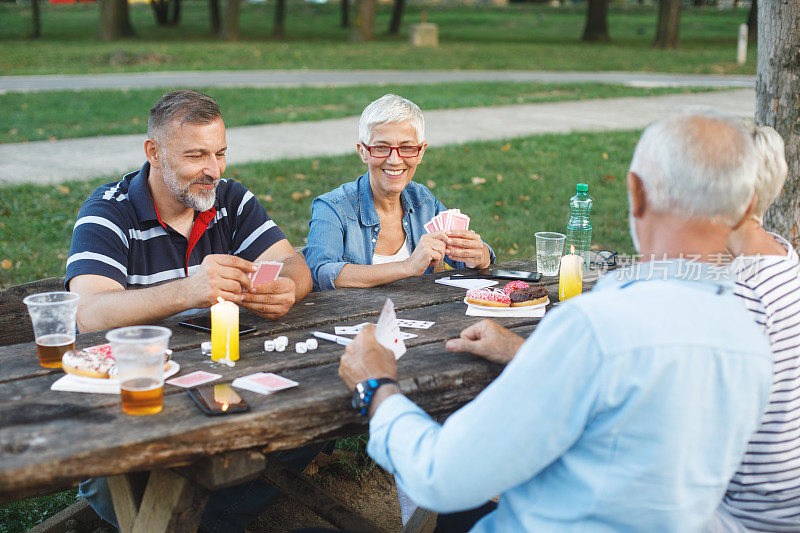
(170, 503)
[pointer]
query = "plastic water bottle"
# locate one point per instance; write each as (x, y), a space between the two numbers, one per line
(579, 227)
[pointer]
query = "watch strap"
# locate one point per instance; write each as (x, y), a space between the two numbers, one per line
(369, 387)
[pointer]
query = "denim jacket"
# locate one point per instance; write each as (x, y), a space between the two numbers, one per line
(344, 227)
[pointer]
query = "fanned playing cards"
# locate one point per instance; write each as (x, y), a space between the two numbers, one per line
(387, 333)
(452, 219)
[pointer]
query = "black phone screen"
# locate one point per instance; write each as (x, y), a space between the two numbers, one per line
(514, 274)
(203, 323)
(218, 399)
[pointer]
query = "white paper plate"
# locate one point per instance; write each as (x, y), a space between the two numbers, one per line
(509, 309)
(171, 369)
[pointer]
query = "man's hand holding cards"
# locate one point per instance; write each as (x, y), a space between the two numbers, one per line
(270, 296)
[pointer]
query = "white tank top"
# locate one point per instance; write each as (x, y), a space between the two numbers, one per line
(402, 254)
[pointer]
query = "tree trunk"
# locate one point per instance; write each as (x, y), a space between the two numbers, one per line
(36, 30)
(279, 23)
(596, 30)
(230, 22)
(752, 22)
(175, 15)
(777, 104)
(114, 22)
(345, 13)
(668, 25)
(160, 10)
(397, 17)
(213, 8)
(364, 27)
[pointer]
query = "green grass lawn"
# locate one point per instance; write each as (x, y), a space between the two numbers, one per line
(33, 116)
(510, 189)
(521, 36)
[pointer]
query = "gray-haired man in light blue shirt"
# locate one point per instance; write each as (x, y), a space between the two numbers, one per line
(629, 408)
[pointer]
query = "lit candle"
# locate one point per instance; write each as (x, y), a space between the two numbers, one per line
(570, 277)
(224, 331)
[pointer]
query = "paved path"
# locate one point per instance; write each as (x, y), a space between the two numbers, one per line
(54, 161)
(298, 78)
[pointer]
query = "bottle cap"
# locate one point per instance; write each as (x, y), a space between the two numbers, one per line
(582, 187)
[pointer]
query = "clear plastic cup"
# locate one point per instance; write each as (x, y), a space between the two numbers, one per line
(53, 316)
(139, 354)
(549, 248)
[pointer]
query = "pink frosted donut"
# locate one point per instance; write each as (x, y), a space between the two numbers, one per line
(515, 286)
(488, 297)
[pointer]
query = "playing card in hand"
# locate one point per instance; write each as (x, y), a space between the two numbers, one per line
(387, 333)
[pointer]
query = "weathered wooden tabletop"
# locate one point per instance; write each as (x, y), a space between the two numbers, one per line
(51, 440)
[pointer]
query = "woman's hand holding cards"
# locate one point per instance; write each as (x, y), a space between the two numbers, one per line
(429, 251)
(466, 246)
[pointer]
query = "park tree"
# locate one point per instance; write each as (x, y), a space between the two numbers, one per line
(397, 17)
(167, 12)
(216, 20)
(279, 20)
(36, 29)
(115, 23)
(596, 30)
(668, 24)
(230, 21)
(345, 6)
(364, 26)
(777, 103)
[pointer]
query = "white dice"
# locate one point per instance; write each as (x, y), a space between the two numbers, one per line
(205, 348)
(300, 347)
(312, 344)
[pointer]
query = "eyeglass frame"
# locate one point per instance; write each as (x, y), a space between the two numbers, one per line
(369, 151)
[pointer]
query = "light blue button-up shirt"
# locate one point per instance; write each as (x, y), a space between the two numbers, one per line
(628, 409)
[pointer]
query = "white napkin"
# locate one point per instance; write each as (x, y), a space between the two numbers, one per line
(74, 383)
(467, 283)
(501, 312)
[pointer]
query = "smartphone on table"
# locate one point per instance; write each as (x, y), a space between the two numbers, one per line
(203, 323)
(218, 399)
(501, 274)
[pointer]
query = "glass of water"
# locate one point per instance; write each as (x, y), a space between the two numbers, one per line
(549, 247)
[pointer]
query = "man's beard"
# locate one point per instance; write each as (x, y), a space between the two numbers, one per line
(200, 201)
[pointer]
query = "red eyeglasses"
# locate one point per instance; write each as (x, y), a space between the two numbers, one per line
(386, 151)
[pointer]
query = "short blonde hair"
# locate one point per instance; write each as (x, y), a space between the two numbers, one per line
(772, 168)
(390, 109)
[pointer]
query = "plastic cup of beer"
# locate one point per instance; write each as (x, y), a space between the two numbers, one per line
(53, 317)
(139, 353)
(549, 247)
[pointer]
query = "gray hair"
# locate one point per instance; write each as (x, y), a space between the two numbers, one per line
(184, 106)
(390, 109)
(772, 168)
(698, 163)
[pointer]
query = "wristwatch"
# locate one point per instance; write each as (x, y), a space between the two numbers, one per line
(364, 391)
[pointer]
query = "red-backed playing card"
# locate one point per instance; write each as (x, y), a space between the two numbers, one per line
(194, 379)
(272, 382)
(267, 271)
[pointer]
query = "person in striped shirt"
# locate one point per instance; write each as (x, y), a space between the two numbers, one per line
(764, 494)
(177, 232)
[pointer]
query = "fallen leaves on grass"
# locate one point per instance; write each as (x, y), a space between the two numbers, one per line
(6, 264)
(431, 184)
(535, 177)
(506, 147)
(608, 178)
(62, 189)
(605, 155)
(265, 198)
(477, 180)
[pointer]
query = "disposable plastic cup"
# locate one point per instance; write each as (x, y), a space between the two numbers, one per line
(139, 354)
(53, 316)
(549, 248)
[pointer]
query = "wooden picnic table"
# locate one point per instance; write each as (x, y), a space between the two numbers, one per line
(53, 440)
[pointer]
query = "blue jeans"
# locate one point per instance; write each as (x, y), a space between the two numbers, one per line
(228, 510)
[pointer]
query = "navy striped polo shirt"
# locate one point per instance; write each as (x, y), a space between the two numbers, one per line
(119, 233)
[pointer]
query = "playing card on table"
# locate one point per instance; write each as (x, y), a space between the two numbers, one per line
(263, 383)
(405, 335)
(194, 379)
(350, 330)
(267, 271)
(417, 324)
(388, 333)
